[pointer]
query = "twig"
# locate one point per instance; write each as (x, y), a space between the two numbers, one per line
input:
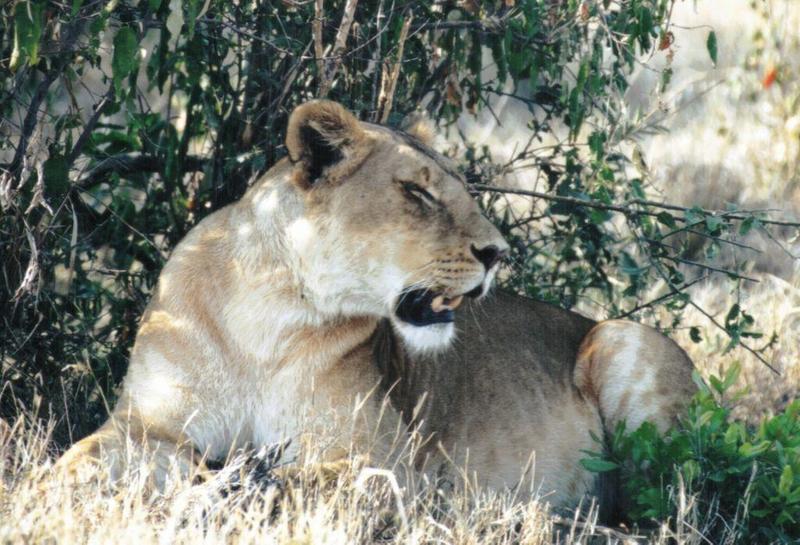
(127, 164)
(316, 29)
(376, 59)
(32, 117)
(710, 268)
(90, 124)
(331, 63)
(724, 240)
(492, 25)
(695, 263)
(674, 291)
(391, 72)
(289, 80)
(626, 208)
(747, 347)
(664, 276)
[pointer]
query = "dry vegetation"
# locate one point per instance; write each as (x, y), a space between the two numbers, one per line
(725, 125)
(353, 504)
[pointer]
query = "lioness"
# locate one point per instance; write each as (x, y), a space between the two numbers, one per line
(337, 277)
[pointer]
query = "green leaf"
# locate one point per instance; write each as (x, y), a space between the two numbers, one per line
(730, 318)
(583, 75)
(694, 334)
(598, 217)
(666, 78)
(637, 189)
(694, 216)
(747, 225)
(596, 465)
(731, 375)
(691, 469)
(711, 45)
(734, 433)
(27, 34)
(667, 219)
(76, 7)
(786, 482)
(192, 9)
(597, 141)
(714, 223)
(126, 55)
(629, 266)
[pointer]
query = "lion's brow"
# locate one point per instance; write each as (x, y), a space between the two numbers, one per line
(431, 154)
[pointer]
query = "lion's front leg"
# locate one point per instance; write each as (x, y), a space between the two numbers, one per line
(126, 449)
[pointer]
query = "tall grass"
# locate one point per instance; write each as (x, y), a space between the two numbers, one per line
(248, 503)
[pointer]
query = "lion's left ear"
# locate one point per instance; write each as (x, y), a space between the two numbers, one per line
(324, 137)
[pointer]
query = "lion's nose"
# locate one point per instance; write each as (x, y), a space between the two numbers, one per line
(488, 255)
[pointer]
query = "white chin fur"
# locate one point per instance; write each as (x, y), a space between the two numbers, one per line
(425, 339)
(488, 281)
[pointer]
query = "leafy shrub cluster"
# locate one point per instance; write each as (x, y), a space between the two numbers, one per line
(744, 479)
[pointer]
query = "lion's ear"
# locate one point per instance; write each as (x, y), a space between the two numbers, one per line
(324, 136)
(419, 125)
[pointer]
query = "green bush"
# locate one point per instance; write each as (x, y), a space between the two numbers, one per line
(745, 479)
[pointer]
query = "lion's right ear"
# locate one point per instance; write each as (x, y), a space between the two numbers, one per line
(420, 126)
(323, 137)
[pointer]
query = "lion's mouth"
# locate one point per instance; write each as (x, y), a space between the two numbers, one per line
(424, 307)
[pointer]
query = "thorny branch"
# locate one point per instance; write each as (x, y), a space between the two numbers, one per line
(628, 207)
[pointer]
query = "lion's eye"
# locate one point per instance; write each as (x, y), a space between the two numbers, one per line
(419, 193)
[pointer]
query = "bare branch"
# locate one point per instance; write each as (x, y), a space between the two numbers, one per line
(741, 343)
(316, 29)
(391, 72)
(627, 209)
(128, 164)
(376, 59)
(334, 60)
(673, 292)
(90, 124)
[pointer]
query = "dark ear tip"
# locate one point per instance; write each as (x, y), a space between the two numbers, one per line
(320, 134)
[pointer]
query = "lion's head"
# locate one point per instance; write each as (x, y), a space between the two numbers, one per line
(388, 227)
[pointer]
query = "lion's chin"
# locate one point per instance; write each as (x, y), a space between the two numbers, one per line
(425, 339)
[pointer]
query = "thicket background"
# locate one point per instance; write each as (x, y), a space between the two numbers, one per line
(124, 123)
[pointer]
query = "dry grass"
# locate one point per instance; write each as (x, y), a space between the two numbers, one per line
(357, 504)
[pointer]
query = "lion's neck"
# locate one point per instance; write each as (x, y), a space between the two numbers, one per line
(274, 315)
(406, 378)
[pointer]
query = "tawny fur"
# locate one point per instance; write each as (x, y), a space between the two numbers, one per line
(276, 314)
